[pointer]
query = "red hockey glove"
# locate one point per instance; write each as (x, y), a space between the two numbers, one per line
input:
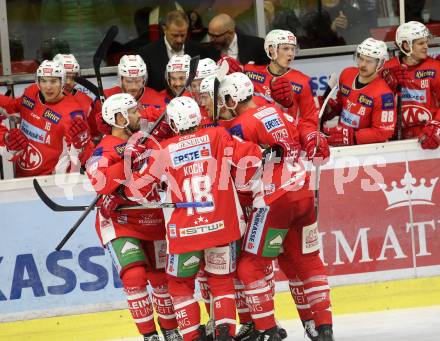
(79, 132)
(135, 153)
(339, 135)
(281, 90)
(430, 136)
(16, 140)
(102, 126)
(109, 204)
(395, 76)
(317, 153)
(332, 109)
(234, 64)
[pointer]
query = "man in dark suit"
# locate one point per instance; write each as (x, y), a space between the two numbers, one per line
(174, 42)
(226, 41)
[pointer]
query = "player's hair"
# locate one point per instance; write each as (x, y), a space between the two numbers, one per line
(177, 18)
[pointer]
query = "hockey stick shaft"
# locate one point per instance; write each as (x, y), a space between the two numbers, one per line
(84, 82)
(330, 90)
(399, 127)
(100, 54)
(78, 223)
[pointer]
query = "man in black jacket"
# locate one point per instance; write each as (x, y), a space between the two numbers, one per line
(174, 42)
(226, 41)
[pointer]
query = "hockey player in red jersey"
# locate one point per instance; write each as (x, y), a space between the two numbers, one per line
(53, 134)
(289, 88)
(284, 218)
(197, 164)
(132, 74)
(419, 78)
(176, 74)
(363, 111)
(135, 238)
(72, 68)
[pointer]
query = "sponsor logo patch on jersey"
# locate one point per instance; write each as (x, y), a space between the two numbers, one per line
(256, 229)
(188, 143)
(196, 153)
(237, 131)
(52, 116)
(387, 101)
(413, 95)
(202, 229)
(120, 148)
(73, 114)
(296, 88)
(265, 112)
(27, 102)
(281, 134)
(345, 90)
(32, 132)
(172, 230)
(256, 77)
(350, 119)
(365, 100)
(272, 122)
(421, 74)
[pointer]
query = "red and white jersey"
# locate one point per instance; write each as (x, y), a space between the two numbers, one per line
(197, 168)
(46, 126)
(304, 110)
(105, 169)
(266, 126)
(420, 94)
(370, 111)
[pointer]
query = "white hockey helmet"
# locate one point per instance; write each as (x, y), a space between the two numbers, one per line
(277, 37)
(118, 103)
(373, 48)
(132, 65)
(50, 68)
(68, 61)
(184, 112)
(178, 64)
(205, 68)
(238, 86)
(409, 32)
(207, 85)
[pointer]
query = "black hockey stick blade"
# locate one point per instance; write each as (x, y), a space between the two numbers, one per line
(399, 123)
(53, 205)
(78, 223)
(102, 49)
(88, 85)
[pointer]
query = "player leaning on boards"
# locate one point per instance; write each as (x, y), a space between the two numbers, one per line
(197, 165)
(363, 111)
(135, 238)
(282, 225)
(53, 133)
(418, 76)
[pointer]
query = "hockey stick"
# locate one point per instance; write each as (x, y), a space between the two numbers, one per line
(399, 127)
(221, 74)
(330, 90)
(84, 82)
(61, 208)
(99, 56)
